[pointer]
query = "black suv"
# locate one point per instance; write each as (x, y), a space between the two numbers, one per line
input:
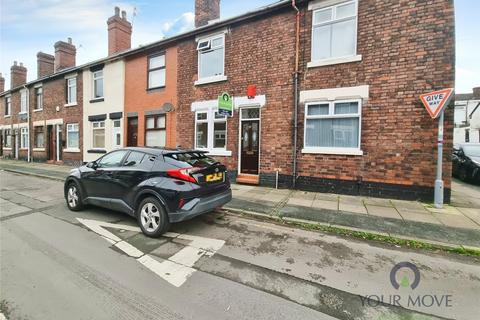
(157, 186)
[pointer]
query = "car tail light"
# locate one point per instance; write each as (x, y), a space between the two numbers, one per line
(183, 174)
(181, 203)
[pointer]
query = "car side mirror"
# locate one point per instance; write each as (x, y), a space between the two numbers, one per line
(92, 165)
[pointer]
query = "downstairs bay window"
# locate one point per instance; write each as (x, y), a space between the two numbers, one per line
(211, 132)
(333, 127)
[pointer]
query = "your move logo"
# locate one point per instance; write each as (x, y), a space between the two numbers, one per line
(405, 280)
(405, 277)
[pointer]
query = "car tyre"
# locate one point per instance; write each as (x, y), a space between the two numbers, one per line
(462, 174)
(152, 217)
(73, 197)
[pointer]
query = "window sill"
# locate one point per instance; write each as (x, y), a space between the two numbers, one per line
(71, 150)
(97, 151)
(155, 89)
(210, 80)
(7, 116)
(97, 100)
(37, 110)
(38, 149)
(22, 113)
(24, 149)
(220, 153)
(71, 104)
(328, 62)
(340, 151)
(7, 148)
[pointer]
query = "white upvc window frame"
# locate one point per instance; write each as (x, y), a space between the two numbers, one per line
(210, 121)
(72, 83)
(38, 106)
(70, 128)
(204, 44)
(331, 115)
(99, 127)
(116, 131)
(96, 77)
(23, 101)
(340, 59)
(24, 132)
(8, 106)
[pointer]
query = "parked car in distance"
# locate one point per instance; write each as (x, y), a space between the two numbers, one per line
(466, 162)
(157, 186)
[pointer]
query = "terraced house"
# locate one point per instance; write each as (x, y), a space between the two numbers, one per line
(42, 119)
(325, 95)
(336, 107)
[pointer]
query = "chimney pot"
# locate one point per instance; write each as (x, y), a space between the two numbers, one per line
(14, 63)
(205, 11)
(2, 83)
(21, 64)
(117, 11)
(124, 15)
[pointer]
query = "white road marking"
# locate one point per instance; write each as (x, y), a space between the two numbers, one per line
(177, 268)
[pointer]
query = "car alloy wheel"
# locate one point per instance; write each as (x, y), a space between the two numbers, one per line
(150, 217)
(72, 196)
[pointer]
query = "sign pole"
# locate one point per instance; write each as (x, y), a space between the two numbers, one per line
(438, 196)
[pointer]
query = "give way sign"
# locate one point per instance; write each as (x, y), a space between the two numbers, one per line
(436, 101)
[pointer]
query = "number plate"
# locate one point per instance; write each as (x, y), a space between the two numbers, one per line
(214, 177)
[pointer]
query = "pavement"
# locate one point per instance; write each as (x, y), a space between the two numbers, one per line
(456, 224)
(95, 264)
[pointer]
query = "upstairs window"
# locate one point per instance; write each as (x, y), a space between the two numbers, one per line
(72, 91)
(334, 31)
(38, 98)
(23, 101)
(156, 71)
(211, 57)
(98, 84)
(8, 106)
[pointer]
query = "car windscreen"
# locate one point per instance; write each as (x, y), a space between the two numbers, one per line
(472, 151)
(189, 159)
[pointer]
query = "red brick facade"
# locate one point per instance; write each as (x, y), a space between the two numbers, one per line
(119, 32)
(205, 11)
(403, 55)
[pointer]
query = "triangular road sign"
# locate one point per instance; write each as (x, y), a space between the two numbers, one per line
(436, 101)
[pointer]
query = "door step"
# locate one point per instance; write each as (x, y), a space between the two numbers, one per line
(248, 179)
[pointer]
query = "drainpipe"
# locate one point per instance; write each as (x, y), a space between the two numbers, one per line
(28, 123)
(295, 93)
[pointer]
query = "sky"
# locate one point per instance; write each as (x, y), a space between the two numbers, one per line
(29, 26)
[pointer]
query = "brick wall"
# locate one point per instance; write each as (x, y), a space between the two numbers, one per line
(407, 49)
(252, 57)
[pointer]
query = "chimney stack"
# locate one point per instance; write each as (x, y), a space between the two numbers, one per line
(45, 64)
(64, 54)
(205, 11)
(119, 32)
(476, 93)
(18, 75)
(2, 83)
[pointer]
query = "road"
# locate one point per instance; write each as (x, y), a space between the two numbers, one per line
(57, 264)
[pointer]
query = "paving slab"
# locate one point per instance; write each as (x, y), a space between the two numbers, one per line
(324, 204)
(300, 202)
(419, 217)
(472, 213)
(356, 208)
(384, 212)
(408, 205)
(327, 196)
(457, 221)
(378, 202)
(303, 195)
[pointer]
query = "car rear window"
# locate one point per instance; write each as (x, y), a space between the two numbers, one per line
(189, 159)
